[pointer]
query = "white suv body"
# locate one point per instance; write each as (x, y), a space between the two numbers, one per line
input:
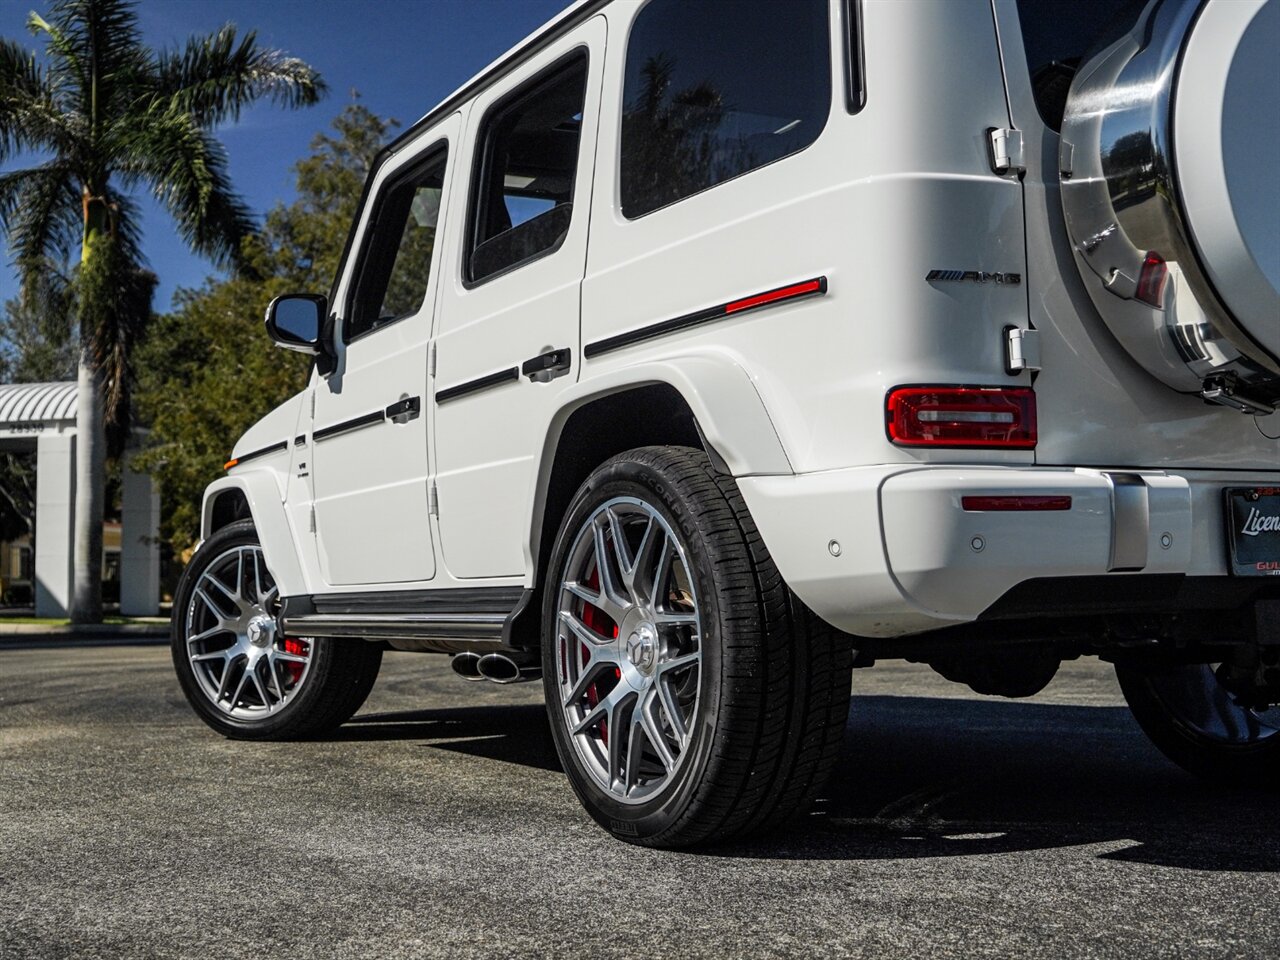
(899, 248)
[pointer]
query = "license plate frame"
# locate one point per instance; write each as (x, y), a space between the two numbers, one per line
(1253, 531)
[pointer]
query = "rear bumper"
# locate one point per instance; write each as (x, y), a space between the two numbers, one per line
(887, 551)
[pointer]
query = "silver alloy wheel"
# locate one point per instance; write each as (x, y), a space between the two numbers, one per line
(1197, 699)
(628, 649)
(240, 662)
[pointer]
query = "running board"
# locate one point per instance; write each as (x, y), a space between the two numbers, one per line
(435, 620)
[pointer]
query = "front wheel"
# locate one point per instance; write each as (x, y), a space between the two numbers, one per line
(242, 677)
(692, 697)
(1202, 726)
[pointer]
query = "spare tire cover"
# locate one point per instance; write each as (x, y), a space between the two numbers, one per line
(1168, 145)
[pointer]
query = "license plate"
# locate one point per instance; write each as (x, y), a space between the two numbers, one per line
(1253, 515)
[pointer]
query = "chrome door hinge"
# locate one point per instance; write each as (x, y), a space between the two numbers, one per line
(1006, 150)
(1022, 350)
(433, 500)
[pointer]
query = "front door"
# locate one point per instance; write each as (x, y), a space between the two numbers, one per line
(369, 428)
(509, 337)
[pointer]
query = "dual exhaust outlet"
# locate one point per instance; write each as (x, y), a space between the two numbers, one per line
(497, 667)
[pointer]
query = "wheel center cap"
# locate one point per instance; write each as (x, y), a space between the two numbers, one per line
(642, 647)
(260, 631)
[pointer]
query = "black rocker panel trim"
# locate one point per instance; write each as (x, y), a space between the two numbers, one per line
(786, 294)
(510, 375)
(477, 600)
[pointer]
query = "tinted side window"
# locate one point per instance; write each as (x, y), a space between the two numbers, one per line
(1058, 35)
(716, 88)
(396, 265)
(528, 160)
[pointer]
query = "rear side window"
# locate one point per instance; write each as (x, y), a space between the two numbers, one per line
(717, 88)
(396, 266)
(1059, 35)
(526, 166)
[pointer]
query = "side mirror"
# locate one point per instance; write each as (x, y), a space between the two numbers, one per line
(295, 321)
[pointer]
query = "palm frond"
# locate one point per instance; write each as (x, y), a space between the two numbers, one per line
(214, 77)
(40, 212)
(29, 116)
(186, 169)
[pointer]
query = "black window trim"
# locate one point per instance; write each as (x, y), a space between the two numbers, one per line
(527, 90)
(437, 150)
(737, 176)
(855, 70)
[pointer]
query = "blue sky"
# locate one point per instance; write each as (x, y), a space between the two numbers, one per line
(403, 56)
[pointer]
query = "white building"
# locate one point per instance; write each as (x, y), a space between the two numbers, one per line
(42, 417)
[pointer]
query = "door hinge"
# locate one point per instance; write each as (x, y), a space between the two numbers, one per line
(1022, 350)
(1006, 150)
(431, 364)
(313, 519)
(433, 500)
(313, 404)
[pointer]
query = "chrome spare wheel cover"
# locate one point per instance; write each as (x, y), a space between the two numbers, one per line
(1166, 158)
(628, 649)
(240, 661)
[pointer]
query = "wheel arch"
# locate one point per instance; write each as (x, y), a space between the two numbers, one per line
(256, 496)
(703, 401)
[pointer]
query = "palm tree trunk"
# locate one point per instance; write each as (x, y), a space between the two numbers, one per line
(91, 475)
(86, 597)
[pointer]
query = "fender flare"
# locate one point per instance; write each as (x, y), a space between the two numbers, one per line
(728, 409)
(262, 492)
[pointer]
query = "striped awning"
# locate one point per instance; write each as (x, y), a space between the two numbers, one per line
(28, 404)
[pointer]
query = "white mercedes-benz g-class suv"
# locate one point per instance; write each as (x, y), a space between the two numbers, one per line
(695, 353)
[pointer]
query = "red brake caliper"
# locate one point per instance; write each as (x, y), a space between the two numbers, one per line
(299, 649)
(597, 620)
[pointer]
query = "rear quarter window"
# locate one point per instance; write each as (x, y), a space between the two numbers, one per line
(717, 88)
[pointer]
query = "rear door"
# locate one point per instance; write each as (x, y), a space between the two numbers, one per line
(509, 327)
(369, 438)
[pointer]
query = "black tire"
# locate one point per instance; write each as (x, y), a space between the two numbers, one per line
(338, 679)
(1168, 706)
(774, 680)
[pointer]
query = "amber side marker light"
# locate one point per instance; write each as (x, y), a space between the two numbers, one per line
(943, 416)
(229, 464)
(1014, 504)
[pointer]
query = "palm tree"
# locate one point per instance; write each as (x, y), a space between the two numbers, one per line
(104, 115)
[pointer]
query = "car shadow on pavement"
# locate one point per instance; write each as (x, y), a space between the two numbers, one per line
(511, 733)
(923, 777)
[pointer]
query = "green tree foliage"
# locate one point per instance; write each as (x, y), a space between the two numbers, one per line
(103, 115)
(208, 371)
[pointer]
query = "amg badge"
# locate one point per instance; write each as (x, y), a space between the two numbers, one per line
(972, 276)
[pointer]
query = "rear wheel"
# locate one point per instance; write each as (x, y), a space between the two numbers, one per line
(244, 678)
(1201, 725)
(692, 697)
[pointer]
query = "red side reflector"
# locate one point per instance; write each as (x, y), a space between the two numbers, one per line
(962, 417)
(1151, 280)
(1011, 504)
(782, 293)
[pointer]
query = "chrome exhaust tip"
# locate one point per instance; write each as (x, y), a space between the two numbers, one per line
(466, 665)
(501, 668)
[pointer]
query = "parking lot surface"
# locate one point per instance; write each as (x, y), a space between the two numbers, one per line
(438, 823)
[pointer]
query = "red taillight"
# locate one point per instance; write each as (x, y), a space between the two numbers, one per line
(963, 417)
(1151, 280)
(1013, 504)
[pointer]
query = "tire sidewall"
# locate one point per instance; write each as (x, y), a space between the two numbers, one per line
(653, 817)
(242, 533)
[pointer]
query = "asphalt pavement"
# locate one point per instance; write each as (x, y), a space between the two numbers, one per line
(438, 824)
